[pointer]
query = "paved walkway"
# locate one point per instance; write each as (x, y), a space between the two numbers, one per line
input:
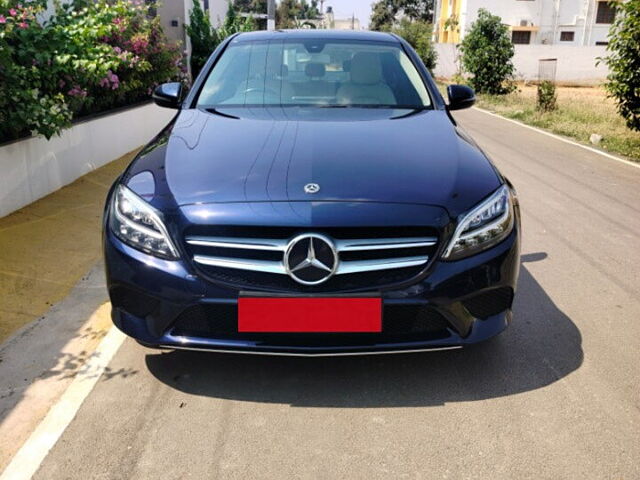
(48, 246)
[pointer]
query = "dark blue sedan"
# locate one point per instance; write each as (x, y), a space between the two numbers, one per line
(312, 196)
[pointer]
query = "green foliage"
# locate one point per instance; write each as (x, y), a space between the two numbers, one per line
(89, 57)
(250, 6)
(253, 6)
(547, 99)
(204, 38)
(385, 12)
(418, 34)
(233, 24)
(623, 81)
(486, 55)
(292, 13)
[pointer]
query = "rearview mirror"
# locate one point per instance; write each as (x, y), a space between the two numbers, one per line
(168, 95)
(460, 96)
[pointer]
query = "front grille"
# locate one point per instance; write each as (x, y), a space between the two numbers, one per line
(489, 303)
(401, 323)
(253, 257)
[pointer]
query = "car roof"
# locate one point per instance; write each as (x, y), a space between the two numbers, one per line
(317, 34)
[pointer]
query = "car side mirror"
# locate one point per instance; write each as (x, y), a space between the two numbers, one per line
(168, 95)
(460, 96)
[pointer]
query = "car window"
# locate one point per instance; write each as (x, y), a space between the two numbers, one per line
(314, 73)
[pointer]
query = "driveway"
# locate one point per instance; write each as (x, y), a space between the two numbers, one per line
(556, 396)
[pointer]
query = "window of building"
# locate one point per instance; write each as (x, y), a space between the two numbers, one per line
(602, 44)
(567, 36)
(606, 13)
(521, 37)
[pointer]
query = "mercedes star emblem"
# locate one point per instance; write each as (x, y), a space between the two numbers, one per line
(311, 259)
(311, 188)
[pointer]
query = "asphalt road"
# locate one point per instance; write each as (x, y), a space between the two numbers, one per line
(556, 396)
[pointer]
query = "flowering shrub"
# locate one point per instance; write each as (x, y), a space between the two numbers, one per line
(90, 56)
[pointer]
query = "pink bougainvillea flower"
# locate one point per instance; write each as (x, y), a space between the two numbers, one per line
(76, 91)
(22, 25)
(3, 19)
(12, 12)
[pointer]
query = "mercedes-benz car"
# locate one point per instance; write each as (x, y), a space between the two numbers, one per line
(313, 195)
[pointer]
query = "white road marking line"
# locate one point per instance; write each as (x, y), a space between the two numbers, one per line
(562, 139)
(31, 455)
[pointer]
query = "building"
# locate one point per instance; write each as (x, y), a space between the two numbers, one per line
(330, 22)
(547, 22)
(174, 14)
(333, 23)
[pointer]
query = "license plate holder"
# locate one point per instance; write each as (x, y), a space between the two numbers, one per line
(309, 314)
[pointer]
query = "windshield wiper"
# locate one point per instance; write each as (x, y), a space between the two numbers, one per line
(222, 114)
(387, 107)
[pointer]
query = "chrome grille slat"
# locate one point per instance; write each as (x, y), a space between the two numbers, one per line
(241, 264)
(344, 267)
(267, 255)
(241, 243)
(383, 243)
(357, 266)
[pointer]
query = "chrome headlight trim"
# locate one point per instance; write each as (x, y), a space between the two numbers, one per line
(139, 225)
(475, 234)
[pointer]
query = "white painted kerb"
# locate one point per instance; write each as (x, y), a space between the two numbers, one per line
(35, 167)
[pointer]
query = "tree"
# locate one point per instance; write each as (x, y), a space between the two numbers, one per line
(486, 54)
(385, 12)
(418, 34)
(291, 13)
(250, 6)
(202, 36)
(383, 15)
(253, 6)
(623, 81)
(233, 23)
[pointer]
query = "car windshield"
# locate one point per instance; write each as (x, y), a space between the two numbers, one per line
(318, 73)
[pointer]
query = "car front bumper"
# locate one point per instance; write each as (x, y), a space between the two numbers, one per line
(164, 303)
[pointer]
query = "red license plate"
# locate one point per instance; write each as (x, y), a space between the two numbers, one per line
(301, 315)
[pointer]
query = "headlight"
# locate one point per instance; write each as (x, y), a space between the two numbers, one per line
(483, 227)
(139, 225)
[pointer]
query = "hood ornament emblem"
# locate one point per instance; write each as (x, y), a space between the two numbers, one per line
(311, 188)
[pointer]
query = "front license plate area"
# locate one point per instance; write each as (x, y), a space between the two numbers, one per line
(307, 315)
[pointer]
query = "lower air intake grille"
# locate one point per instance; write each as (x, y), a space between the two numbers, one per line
(136, 303)
(400, 323)
(489, 303)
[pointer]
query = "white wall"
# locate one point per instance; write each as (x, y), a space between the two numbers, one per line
(35, 167)
(550, 16)
(575, 64)
(218, 11)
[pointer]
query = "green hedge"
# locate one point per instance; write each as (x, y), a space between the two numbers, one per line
(91, 56)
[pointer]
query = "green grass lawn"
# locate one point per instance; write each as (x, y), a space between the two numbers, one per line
(581, 112)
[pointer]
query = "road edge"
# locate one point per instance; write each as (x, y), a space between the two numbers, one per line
(28, 459)
(561, 138)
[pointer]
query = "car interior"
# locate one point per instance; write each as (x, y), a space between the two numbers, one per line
(255, 74)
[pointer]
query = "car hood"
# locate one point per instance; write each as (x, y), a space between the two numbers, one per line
(353, 155)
